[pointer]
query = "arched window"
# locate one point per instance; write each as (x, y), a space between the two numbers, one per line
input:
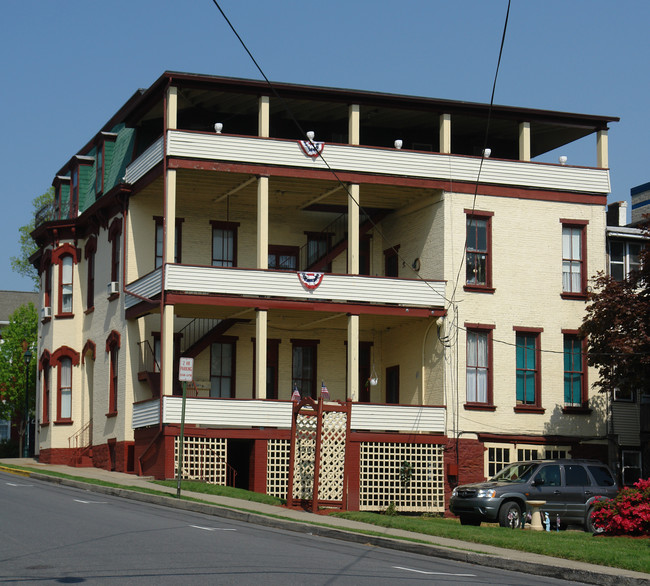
(113, 349)
(64, 358)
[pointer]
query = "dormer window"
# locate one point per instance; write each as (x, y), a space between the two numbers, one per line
(74, 193)
(99, 169)
(61, 196)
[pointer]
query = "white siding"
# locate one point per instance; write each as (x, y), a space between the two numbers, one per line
(397, 418)
(145, 162)
(146, 413)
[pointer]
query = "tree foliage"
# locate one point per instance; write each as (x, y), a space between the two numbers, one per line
(23, 326)
(617, 327)
(20, 264)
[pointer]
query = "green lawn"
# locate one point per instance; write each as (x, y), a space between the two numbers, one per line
(618, 552)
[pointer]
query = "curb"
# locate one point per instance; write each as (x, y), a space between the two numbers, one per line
(431, 550)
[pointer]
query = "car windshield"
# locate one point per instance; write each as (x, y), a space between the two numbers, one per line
(515, 473)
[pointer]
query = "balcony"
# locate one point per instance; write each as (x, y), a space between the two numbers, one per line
(251, 413)
(270, 152)
(282, 287)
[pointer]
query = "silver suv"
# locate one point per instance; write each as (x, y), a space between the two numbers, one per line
(569, 487)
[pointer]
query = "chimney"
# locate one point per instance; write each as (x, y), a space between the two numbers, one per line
(617, 213)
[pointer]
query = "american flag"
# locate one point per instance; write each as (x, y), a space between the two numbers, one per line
(324, 393)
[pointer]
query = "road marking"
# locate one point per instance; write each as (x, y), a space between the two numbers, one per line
(211, 528)
(90, 502)
(433, 573)
(14, 484)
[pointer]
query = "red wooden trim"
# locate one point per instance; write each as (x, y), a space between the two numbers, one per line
(190, 430)
(89, 347)
(332, 307)
(479, 407)
(527, 330)
(473, 326)
(67, 352)
(529, 408)
(478, 213)
(401, 438)
(63, 422)
(115, 229)
(113, 339)
(574, 296)
(571, 332)
(363, 179)
(63, 250)
(527, 439)
(570, 222)
(478, 288)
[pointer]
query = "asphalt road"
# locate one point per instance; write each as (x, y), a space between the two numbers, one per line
(53, 534)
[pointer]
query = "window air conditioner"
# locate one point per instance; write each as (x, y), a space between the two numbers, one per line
(113, 288)
(46, 312)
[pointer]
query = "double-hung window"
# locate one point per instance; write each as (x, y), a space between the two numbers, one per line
(478, 369)
(224, 244)
(91, 248)
(528, 368)
(178, 234)
(113, 342)
(65, 289)
(115, 237)
(283, 257)
(304, 367)
(574, 253)
(574, 370)
(478, 259)
(623, 258)
(65, 389)
(222, 368)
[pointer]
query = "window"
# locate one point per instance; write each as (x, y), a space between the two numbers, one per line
(113, 342)
(574, 278)
(319, 244)
(64, 396)
(528, 380)
(623, 258)
(392, 385)
(45, 377)
(91, 248)
(5, 430)
(283, 258)
(576, 475)
(47, 286)
(527, 454)
(65, 284)
(498, 458)
(478, 369)
(631, 466)
(575, 388)
(549, 476)
(222, 369)
(304, 367)
(114, 237)
(74, 193)
(224, 244)
(391, 262)
(272, 367)
(478, 261)
(627, 395)
(159, 241)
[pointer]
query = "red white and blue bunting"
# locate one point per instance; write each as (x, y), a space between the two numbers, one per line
(310, 281)
(311, 148)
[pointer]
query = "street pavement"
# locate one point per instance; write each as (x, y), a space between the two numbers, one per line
(332, 527)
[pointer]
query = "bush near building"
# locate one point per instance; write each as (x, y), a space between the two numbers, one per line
(627, 514)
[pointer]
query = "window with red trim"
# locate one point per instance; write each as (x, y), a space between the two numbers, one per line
(478, 256)
(114, 237)
(574, 258)
(65, 284)
(319, 244)
(45, 376)
(74, 193)
(528, 368)
(479, 366)
(113, 348)
(284, 258)
(224, 244)
(575, 370)
(158, 253)
(99, 169)
(304, 366)
(91, 248)
(47, 286)
(222, 368)
(64, 390)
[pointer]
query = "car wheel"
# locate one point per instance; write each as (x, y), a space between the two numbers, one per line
(470, 521)
(510, 515)
(589, 524)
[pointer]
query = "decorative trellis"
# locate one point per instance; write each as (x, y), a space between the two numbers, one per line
(317, 460)
(410, 476)
(277, 467)
(204, 458)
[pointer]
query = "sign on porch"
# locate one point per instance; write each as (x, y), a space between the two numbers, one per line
(186, 369)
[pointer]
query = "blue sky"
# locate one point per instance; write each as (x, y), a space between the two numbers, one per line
(68, 66)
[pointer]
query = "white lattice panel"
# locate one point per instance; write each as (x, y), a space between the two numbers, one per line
(277, 467)
(303, 471)
(332, 456)
(382, 483)
(204, 458)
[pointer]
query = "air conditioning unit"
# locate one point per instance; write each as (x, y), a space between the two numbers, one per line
(46, 312)
(113, 288)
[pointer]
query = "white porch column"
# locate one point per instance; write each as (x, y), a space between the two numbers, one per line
(261, 335)
(524, 141)
(264, 117)
(353, 229)
(262, 222)
(445, 133)
(354, 124)
(353, 357)
(169, 231)
(603, 149)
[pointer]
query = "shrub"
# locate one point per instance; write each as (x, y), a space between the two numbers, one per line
(627, 514)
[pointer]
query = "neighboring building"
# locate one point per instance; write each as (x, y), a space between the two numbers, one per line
(630, 411)
(279, 271)
(10, 301)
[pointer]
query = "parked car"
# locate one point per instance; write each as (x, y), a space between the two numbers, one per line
(569, 487)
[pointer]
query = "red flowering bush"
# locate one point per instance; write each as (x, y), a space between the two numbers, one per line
(627, 514)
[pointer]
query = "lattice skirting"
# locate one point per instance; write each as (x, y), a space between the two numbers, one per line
(204, 458)
(277, 467)
(409, 475)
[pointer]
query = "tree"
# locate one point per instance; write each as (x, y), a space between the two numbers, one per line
(23, 327)
(617, 328)
(20, 263)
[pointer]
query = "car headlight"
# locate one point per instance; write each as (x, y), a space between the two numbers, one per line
(454, 492)
(489, 493)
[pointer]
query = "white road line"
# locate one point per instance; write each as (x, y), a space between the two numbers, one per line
(90, 502)
(14, 484)
(211, 528)
(433, 573)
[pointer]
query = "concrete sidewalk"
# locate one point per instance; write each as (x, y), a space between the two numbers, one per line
(333, 527)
